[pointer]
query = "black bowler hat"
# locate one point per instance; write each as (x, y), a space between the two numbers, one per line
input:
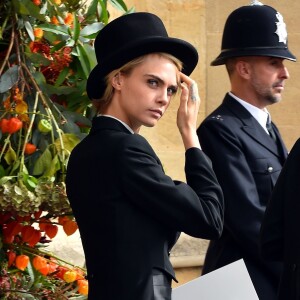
(129, 37)
(254, 30)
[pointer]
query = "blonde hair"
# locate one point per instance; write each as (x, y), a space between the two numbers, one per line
(103, 102)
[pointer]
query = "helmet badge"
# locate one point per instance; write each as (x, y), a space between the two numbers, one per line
(281, 28)
(255, 2)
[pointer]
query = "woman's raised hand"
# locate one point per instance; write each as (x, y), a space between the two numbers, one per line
(187, 113)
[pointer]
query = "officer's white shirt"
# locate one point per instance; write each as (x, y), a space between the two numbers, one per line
(261, 115)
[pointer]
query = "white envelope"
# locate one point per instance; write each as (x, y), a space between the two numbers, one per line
(231, 282)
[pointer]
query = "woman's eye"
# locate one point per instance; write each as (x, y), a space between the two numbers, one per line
(172, 91)
(153, 82)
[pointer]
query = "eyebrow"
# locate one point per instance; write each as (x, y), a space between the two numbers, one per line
(161, 81)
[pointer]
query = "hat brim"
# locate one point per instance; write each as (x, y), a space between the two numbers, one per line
(271, 52)
(180, 49)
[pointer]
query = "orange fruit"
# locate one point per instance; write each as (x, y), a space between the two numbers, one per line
(38, 33)
(22, 262)
(83, 287)
(69, 19)
(37, 2)
(39, 262)
(70, 276)
(54, 20)
(61, 272)
(29, 148)
(45, 270)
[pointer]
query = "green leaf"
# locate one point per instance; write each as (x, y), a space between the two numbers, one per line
(70, 127)
(70, 43)
(29, 30)
(43, 163)
(54, 167)
(84, 59)
(5, 179)
(76, 28)
(31, 274)
(15, 167)
(70, 141)
(63, 29)
(131, 10)
(104, 13)
(60, 90)
(92, 9)
(26, 7)
(38, 59)
(9, 78)
(31, 182)
(92, 29)
(90, 53)
(62, 77)
(58, 46)
(2, 171)
(39, 77)
(44, 8)
(10, 156)
(119, 4)
(78, 101)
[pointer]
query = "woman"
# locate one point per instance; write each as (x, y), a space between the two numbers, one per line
(280, 228)
(128, 211)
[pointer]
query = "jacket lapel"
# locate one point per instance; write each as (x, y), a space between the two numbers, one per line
(253, 129)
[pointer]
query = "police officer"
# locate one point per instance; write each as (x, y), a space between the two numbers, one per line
(244, 145)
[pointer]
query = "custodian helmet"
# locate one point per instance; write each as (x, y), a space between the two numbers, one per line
(254, 30)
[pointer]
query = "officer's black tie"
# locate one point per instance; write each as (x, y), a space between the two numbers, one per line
(270, 129)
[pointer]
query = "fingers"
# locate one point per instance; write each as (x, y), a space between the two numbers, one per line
(189, 104)
(188, 112)
(194, 94)
(189, 88)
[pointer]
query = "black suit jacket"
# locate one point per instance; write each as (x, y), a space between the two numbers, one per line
(280, 228)
(247, 163)
(129, 211)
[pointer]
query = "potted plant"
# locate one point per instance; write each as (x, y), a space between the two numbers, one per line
(46, 55)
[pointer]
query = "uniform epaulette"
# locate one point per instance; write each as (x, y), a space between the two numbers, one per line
(217, 117)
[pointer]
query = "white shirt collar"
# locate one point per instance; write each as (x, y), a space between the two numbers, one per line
(261, 115)
(109, 116)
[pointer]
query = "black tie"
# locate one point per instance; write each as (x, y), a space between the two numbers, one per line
(270, 129)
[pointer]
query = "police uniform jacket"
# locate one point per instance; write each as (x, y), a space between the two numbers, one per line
(129, 211)
(247, 163)
(280, 228)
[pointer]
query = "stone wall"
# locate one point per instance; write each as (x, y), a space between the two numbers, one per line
(201, 23)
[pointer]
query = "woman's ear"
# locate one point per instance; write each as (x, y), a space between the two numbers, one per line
(116, 81)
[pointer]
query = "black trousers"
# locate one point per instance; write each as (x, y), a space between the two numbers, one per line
(161, 285)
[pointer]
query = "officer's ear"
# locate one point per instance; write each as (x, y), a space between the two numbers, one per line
(243, 68)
